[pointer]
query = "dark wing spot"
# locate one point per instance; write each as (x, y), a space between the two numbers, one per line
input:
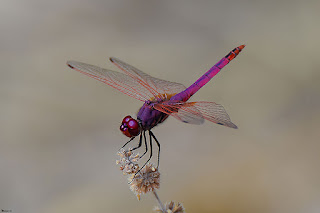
(70, 66)
(220, 123)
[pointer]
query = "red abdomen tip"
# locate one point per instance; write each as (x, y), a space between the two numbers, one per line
(234, 52)
(241, 47)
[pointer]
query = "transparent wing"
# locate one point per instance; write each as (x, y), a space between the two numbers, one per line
(176, 110)
(194, 111)
(213, 112)
(119, 81)
(157, 87)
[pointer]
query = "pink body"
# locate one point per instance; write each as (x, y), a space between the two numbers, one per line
(161, 98)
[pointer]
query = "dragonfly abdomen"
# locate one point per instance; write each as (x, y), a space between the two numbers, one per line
(204, 79)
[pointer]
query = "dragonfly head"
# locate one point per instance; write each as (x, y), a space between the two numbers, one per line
(130, 127)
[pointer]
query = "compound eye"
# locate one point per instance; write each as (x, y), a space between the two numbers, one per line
(134, 127)
(126, 119)
(133, 124)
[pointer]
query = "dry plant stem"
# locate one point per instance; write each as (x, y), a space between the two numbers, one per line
(159, 201)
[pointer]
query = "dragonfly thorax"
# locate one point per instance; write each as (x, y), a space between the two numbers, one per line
(130, 127)
(149, 117)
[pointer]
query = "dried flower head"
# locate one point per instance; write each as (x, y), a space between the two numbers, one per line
(171, 208)
(128, 162)
(148, 179)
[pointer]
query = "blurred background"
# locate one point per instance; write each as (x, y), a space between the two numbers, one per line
(59, 130)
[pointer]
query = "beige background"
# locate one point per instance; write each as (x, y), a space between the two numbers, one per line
(59, 130)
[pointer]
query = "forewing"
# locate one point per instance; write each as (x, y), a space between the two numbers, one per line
(119, 81)
(193, 112)
(156, 86)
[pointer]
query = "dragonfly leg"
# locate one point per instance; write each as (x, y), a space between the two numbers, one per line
(139, 145)
(145, 143)
(150, 142)
(154, 137)
(127, 143)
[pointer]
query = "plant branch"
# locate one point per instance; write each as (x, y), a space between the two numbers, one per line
(159, 201)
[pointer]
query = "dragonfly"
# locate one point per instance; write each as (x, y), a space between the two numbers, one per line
(161, 98)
